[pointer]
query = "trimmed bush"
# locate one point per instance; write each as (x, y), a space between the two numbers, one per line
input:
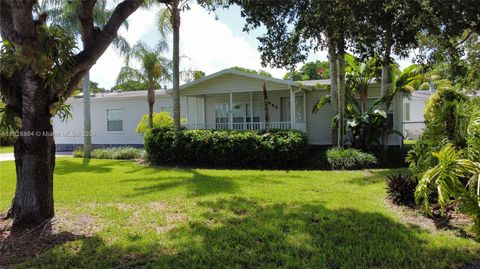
(226, 148)
(348, 159)
(118, 153)
(401, 189)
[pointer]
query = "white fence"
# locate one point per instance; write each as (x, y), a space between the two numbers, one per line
(237, 126)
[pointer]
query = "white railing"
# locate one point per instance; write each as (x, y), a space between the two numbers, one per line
(237, 126)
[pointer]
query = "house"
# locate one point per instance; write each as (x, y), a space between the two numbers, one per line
(228, 99)
(413, 119)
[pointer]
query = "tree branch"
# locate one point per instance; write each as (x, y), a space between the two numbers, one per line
(93, 50)
(7, 28)
(86, 20)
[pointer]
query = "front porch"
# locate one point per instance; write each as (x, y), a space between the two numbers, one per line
(246, 110)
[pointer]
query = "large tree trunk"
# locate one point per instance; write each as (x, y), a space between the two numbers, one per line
(341, 96)
(364, 99)
(332, 58)
(384, 92)
(87, 122)
(34, 156)
(176, 63)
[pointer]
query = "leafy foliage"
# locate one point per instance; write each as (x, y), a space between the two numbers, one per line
(226, 148)
(310, 71)
(454, 179)
(401, 189)
(349, 159)
(132, 85)
(251, 71)
(160, 120)
(447, 116)
(54, 63)
(118, 153)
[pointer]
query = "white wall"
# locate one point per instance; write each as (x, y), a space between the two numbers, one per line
(133, 109)
(413, 127)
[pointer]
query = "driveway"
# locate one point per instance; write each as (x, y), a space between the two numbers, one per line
(11, 157)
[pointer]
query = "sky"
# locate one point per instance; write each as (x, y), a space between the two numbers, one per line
(210, 41)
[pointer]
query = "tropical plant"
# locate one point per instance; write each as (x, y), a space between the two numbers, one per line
(67, 15)
(360, 75)
(447, 116)
(401, 189)
(153, 69)
(41, 68)
(454, 179)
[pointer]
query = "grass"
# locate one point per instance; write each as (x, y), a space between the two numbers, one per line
(6, 149)
(195, 218)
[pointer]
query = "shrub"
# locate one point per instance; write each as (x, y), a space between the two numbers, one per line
(401, 189)
(447, 116)
(160, 120)
(118, 153)
(226, 148)
(346, 159)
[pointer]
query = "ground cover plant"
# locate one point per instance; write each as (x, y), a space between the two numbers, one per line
(117, 153)
(350, 158)
(119, 214)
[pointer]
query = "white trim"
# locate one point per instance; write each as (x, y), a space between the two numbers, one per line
(244, 74)
(230, 116)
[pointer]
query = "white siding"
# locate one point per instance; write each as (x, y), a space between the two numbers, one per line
(319, 125)
(231, 83)
(133, 109)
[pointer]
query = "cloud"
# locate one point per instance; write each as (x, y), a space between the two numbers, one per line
(106, 69)
(212, 45)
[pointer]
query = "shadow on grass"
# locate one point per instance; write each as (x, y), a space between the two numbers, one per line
(238, 232)
(200, 184)
(65, 167)
(197, 184)
(375, 176)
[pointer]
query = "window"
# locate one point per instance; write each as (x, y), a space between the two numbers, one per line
(114, 120)
(407, 111)
(221, 113)
(285, 109)
(242, 113)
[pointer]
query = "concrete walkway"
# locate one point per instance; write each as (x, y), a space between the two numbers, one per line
(11, 157)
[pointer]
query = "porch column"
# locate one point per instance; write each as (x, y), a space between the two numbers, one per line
(230, 118)
(292, 109)
(251, 110)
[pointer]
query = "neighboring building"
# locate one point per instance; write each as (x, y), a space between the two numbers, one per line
(413, 119)
(229, 99)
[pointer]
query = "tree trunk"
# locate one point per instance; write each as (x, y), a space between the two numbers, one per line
(151, 102)
(332, 58)
(384, 91)
(176, 63)
(364, 99)
(87, 122)
(341, 96)
(34, 156)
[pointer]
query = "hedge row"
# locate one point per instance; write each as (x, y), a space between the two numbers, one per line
(227, 148)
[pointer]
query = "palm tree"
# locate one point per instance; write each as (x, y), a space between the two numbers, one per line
(403, 82)
(154, 68)
(172, 12)
(66, 14)
(360, 75)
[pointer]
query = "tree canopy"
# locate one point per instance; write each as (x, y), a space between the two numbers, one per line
(310, 71)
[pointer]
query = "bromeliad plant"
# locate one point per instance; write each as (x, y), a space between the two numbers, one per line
(455, 179)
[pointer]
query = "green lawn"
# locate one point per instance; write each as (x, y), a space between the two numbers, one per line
(138, 216)
(6, 149)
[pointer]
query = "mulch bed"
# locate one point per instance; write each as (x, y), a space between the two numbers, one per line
(20, 244)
